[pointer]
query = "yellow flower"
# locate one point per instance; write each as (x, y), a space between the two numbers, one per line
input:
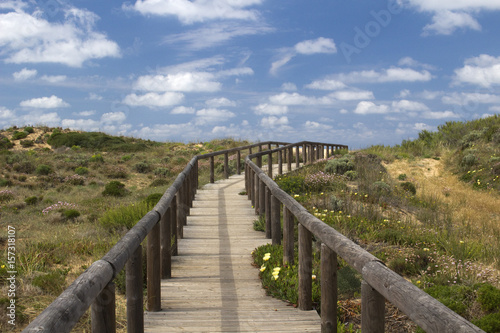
(3, 266)
(418, 282)
(313, 277)
(262, 268)
(276, 269)
(296, 196)
(461, 242)
(266, 257)
(275, 277)
(426, 249)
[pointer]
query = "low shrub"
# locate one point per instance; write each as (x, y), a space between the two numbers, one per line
(96, 158)
(115, 189)
(489, 323)
(75, 180)
(43, 170)
(402, 176)
(351, 175)
(380, 188)
(29, 129)
(339, 165)
(31, 201)
(162, 172)
(5, 143)
(409, 187)
(17, 135)
(81, 171)
(291, 184)
(468, 160)
(27, 143)
(6, 196)
(142, 167)
(70, 214)
(53, 283)
(489, 298)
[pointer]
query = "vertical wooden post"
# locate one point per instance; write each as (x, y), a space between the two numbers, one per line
(275, 220)
(304, 153)
(269, 230)
(269, 146)
(328, 151)
(212, 173)
(103, 315)
(297, 156)
(180, 213)
(133, 281)
(251, 188)
(259, 159)
(238, 162)
(262, 198)
(173, 225)
(166, 246)
(270, 165)
(305, 268)
(185, 185)
(226, 166)
(372, 309)
(288, 235)
(256, 182)
(290, 158)
(153, 269)
(280, 162)
(329, 292)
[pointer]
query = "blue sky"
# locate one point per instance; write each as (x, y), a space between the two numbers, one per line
(354, 72)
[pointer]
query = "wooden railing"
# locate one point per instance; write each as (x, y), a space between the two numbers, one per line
(379, 282)
(94, 288)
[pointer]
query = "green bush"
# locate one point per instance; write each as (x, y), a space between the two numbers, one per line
(402, 176)
(26, 166)
(33, 200)
(152, 199)
(142, 167)
(409, 187)
(53, 282)
(489, 323)
(489, 298)
(291, 184)
(29, 129)
(162, 172)
(159, 182)
(115, 189)
(81, 171)
(456, 297)
(351, 175)
(19, 135)
(468, 160)
(340, 165)
(43, 170)
(380, 188)
(5, 143)
(96, 158)
(27, 143)
(70, 214)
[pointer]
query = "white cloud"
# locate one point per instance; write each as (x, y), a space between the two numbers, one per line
(352, 95)
(365, 107)
(439, 115)
(183, 81)
(113, 117)
(183, 110)
(465, 5)
(483, 70)
(315, 126)
(51, 102)
(85, 113)
(298, 99)
(404, 93)
(28, 38)
(393, 74)
(215, 34)
(270, 109)
(54, 78)
(6, 113)
(218, 102)
(319, 45)
(280, 63)
(495, 108)
(446, 22)
(326, 85)
(406, 105)
(430, 95)
(42, 118)
(25, 74)
(89, 125)
(94, 97)
(189, 12)
(212, 115)
(470, 98)
(153, 99)
(272, 121)
(410, 129)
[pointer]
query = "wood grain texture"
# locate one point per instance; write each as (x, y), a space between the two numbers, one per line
(214, 287)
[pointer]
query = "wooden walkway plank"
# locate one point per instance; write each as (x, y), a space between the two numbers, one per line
(214, 287)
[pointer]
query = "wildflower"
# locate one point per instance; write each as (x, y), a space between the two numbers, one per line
(313, 277)
(296, 195)
(267, 256)
(426, 249)
(418, 282)
(262, 268)
(461, 242)
(277, 269)
(3, 266)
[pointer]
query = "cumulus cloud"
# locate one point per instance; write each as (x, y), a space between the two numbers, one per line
(365, 107)
(212, 115)
(298, 99)
(218, 102)
(184, 81)
(352, 95)
(183, 110)
(470, 98)
(153, 99)
(272, 121)
(439, 115)
(113, 117)
(25, 74)
(28, 38)
(406, 105)
(326, 84)
(53, 78)
(393, 74)
(447, 22)
(483, 70)
(51, 102)
(89, 125)
(315, 126)
(270, 109)
(189, 12)
(6, 113)
(289, 86)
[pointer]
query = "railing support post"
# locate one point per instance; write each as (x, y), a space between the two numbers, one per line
(269, 232)
(270, 165)
(259, 159)
(304, 153)
(226, 166)
(329, 293)
(290, 158)
(166, 246)
(305, 268)
(133, 280)
(372, 309)
(288, 235)
(103, 315)
(181, 215)
(212, 172)
(280, 162)
(238, 162)
(262, 198)
(297, 156)
(275, 220)
(153, 269)
(256, 183)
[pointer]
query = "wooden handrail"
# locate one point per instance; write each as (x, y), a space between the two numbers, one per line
(380, 283)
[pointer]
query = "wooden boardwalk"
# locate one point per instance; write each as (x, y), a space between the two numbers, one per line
(214, 287)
